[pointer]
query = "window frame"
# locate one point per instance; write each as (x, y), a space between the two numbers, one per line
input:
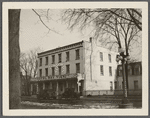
(46, 71)
(101, 56)
(40, 62)
(109, 58)
(59, 70)
(53, 59)
(136, 86)
(59, 58)
(68, 69)
(135, 68)
(67, 56)
(53, 71)
(101, 70)
(110, 71)
(46, 60)
(77, 54)
(40, 72)
(77, 67)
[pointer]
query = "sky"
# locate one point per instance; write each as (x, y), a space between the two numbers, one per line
(33, 34)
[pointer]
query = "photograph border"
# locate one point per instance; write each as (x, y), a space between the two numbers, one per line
(74, 112)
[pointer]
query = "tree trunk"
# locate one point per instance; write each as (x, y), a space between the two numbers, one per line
(14, 63)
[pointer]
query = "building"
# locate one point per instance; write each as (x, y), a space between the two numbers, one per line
(84, 66)
(134, 79)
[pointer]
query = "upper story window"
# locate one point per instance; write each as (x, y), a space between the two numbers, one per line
(40, 61)
(59, 70)
(77, 54)
(110, 71)
(101, 70)
(59, 58)
(46, 60)
(129, 70)
(67, 56)
(136, 70)
(67, 69)
(53, 59)
(109, 58)
(101, 56)
(40, 72)
(120, 71)
(78, 68)
(53, 71)
(46, 71)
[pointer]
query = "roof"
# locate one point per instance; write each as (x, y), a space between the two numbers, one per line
(59, 48)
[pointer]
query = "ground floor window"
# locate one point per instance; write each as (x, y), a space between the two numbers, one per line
(136, 84)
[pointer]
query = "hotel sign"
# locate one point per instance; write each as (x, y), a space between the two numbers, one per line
(67, 76)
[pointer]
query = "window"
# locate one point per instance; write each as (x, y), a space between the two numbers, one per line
(46, 71)
(77, 54)
(40, 61)
(78, 68)
(136, 84)
(101, 70)
(101, 56)
(40, 72)
(53, 71)
(111, 85)
(129, 70)
(67, 69)
(110, 71)
(109, 57)
(59, 68)
(46, 58)
(53, 59)
(119, 71)
(122, 84)
(59, 58)
(116, 84)
(67, 56)
(137, 70)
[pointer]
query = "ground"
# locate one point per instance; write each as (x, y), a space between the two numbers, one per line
(83, 103)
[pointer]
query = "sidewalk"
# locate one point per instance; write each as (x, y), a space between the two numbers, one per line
(112, 99)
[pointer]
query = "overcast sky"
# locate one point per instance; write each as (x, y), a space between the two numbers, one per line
(34, 34)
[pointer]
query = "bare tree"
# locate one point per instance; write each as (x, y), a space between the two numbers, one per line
(86, 16)
(28, 66)
(14, 52)
(14, 56)
(112, 27)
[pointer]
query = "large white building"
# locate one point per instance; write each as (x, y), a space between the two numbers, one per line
(84, 66)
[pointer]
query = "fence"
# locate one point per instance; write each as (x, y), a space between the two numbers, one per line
(113, 92)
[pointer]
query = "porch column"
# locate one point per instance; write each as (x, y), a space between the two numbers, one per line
(78, 84)
(66, 84)
(37, 88)
(57, 90)
(50, 85)
(31, 89)
(43, 85)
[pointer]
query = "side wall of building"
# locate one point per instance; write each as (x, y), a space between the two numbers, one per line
(95, 82)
